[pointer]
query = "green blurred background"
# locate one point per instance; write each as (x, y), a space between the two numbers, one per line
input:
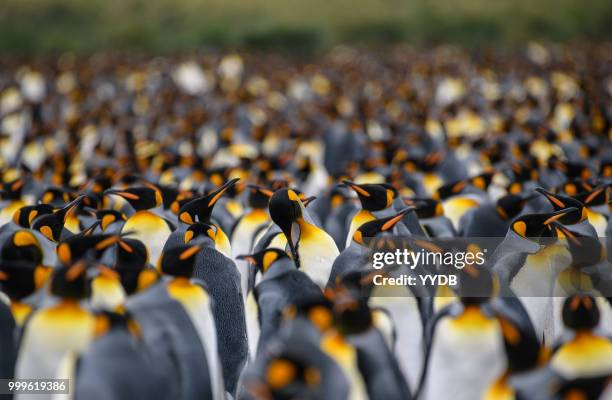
(30, 26)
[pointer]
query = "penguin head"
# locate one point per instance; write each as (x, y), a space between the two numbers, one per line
(70, 282)
(287, 378)
(372, 229)
(482, 181)
(450, 189)
(583, 388)
(534, 226)
(509, 206)
(139, 197)
(179, 261)
(264, 259)
(560, 202)
(286, 209)
(476, 285)
(350, 305)
(12, 190)
(54, 196)
(585, 250)
(131, 253)
(259, 196)
(22, 245)
(78, 246)
(19, 279)
(51, 225)
(425, 208)
(596, 197)
(120, 318)
(202, 207)
(109, 217)
(373, 197)
(317, 310)
(580, 312)
(25, 215)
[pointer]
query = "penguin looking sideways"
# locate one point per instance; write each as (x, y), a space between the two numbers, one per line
(312, 249)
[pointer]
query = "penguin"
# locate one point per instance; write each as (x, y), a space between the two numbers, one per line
(587, 273)
(312, 249)
(116, 363)
(594, 201)
(375, 199)
(145, 224)
(52, 334)
(431, 217)
(586, 354)
(356, 257)
(179, 262)
(11, 199)
(246, 227)
(52, 226)
(132, 265)
(19, 279)
(7, 341)
(493, 219)
(293, 368)
(529, 269)
(222, 281)
(577, 219)
(524, 353)
(340, 207)
(200, 210)
(379, 367)
(281, 285)
(461, 339)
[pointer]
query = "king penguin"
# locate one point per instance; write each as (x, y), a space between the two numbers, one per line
(55, 333)
(312, 249)
(146, 224)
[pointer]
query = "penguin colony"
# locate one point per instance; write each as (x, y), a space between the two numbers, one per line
(196, 229)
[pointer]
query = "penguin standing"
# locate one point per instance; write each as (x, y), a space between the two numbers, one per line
(179, 263)
(313, 250)
(461, 339)
(529, 269)
(54, 334)
(281, 285)
(146, 224)
(222, 281)
(586, 354)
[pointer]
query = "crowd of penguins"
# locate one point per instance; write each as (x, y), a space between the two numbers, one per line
(202, 228)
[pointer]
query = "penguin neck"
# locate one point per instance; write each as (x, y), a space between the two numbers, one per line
(500, 389)
(20, 311)
(278, 268)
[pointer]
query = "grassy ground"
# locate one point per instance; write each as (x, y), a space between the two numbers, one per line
(169, 25)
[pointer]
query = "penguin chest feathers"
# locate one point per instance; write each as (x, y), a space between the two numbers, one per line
(587, 355)
(150, 229)
(317, 251)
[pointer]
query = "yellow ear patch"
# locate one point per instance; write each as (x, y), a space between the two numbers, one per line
(107, 220)
(358, 237)
(320, 317)
(186, 218)
(520, 227)
(188, 236)
(47, 232)
(64, 253)
(268, 259)
(280, 373)
(24, 238)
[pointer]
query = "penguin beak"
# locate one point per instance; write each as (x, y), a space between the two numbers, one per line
(68, 208)
(551, 197)
(217, 194)
(308, 200)
(394, 220)
(559, 214)
(293, 238)
(358, 189)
